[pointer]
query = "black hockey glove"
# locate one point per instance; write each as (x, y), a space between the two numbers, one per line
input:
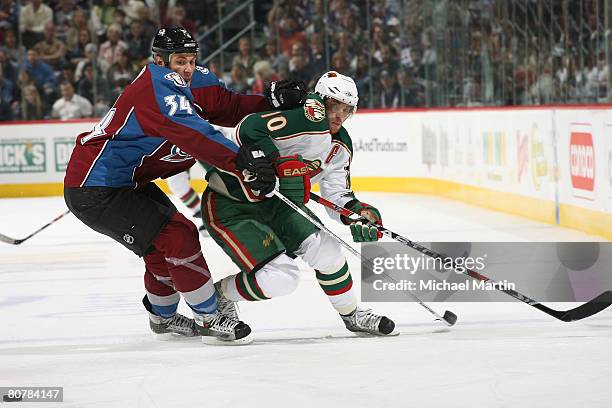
(257, 172)
(286, 94)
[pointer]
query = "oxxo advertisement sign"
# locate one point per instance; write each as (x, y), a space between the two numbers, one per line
(582, 161)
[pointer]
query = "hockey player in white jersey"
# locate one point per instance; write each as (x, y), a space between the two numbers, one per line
(307, 145)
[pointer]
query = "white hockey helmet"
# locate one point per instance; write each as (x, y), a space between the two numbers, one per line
(339, 87)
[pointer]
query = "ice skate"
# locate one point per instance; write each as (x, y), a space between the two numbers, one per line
(225, 306)
(366, 321)
(219, 329)
(165, 328)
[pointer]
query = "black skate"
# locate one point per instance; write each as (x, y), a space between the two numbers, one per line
(216, 328)
(366, 321)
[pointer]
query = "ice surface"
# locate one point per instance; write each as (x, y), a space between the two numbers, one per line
(70, 316)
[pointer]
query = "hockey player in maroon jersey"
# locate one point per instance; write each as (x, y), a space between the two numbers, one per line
(155, 129)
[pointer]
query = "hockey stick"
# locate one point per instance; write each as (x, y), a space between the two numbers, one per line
(14, 241)
(449, 317)
(587, 309)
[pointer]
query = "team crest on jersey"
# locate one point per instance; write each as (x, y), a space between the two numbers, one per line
(203, 70)
(176, 78)
(314, 110)
(176, 155)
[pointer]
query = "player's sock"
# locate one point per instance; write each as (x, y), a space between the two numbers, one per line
(278, 277)
(192, 201)
(338, 286)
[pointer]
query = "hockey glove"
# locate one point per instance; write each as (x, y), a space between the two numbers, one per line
(293, 178)
(286, 94)
(256, 170)
(361, 231)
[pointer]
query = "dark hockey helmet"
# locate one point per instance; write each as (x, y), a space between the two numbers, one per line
(175, 40)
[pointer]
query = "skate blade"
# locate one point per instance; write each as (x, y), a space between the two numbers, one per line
(171, 337)
(368, 334)
(215, 341)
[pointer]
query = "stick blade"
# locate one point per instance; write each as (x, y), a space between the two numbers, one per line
(590, 308)
(450, 318)
(8, 240)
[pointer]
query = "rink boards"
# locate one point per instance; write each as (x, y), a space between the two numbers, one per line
(549, 164)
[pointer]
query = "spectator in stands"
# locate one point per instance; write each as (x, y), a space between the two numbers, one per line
(90, 85)
(91, 56)
(344, 45)
(15, 52)
(32, 20)
(412, 92)
(238, 79)
(298, 68)
(290, 33)
(130, 8)
(119, 18)
(178, 17)
(6, 66)
(114, 46)
(31, 104)
(139, 46)
(102, 15)
(8, 16)
(149, 28)
(316, 51)
(63, 15)
(120, 74)
(50, 49)
(389, 97)
(339, 62)
(386, 60)
(349, 24)
(71, 105)
(67, 74)
(264, 74)
(214, 67)
(363, 80)
(77, 24)
(315, 17)
(278, 61)
(245, 56)
(41, 72)
(77, 52)
(7, 89)
(379, 40)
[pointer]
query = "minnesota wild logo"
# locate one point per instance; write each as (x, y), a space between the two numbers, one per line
(314, 110)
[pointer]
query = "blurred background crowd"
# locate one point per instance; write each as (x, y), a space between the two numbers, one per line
(66, 59)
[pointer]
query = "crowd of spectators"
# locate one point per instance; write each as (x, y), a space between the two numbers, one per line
(65, 59)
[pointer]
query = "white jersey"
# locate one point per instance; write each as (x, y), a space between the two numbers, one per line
(302, 131)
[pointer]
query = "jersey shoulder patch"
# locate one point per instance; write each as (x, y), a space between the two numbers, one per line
(314, 110)
(203, 77)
